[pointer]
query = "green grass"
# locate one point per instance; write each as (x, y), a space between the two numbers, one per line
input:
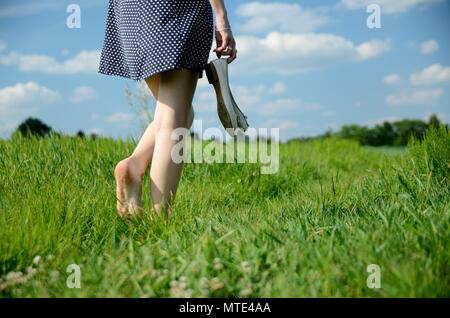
(309, 230)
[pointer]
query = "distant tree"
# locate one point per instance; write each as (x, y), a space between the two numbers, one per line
(382, 135)
(408, 128)
(328, 133)
(33, 126)
(81, 134)
(396, 133)
(355, 132)
(434, 121)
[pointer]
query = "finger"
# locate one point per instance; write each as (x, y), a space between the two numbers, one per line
(232, 57)
(225, 43)
(228, 51)
(218, 44)
(219, 54)
(230, 47)
(233, 54)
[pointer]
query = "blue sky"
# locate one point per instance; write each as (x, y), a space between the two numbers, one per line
(303, 66)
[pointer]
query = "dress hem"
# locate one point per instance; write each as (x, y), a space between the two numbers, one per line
(149, 74)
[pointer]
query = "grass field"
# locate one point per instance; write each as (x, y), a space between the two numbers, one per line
(309, 230)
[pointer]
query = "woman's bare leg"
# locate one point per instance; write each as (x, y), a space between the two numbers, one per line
(129, 172)
(143, 153)
(175, 94)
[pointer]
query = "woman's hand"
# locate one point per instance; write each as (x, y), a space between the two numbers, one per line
(226, 44)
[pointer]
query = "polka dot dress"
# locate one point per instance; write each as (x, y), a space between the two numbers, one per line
(146, 37)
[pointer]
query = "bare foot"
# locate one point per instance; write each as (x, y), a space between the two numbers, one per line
(128, 188)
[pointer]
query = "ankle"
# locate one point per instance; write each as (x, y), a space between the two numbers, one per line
(135, 166)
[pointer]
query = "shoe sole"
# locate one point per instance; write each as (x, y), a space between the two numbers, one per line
(217, 73)
(241, 118)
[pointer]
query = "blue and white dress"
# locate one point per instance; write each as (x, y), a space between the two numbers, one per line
(146, 37)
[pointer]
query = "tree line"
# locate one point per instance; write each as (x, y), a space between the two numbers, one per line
(396, 133)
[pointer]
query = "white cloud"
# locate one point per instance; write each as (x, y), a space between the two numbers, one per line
(287, 104)
(285, 17)
(21, 100)
(82, 94)
(83, 62)
(246, 96)
(430, 75)
(371, 49)
(96, 131)
(2, 46)
(120, 118)
(24, 95)
(288, 125)
(20, 10)
(429, 47)
(206, 95)
(203, 82)
(379, 121)
(289, 53)
(387, 6)
(415, 97)
(278, 88)
(249, 95)
(65, 52)
(392, 79)
(279, 123)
